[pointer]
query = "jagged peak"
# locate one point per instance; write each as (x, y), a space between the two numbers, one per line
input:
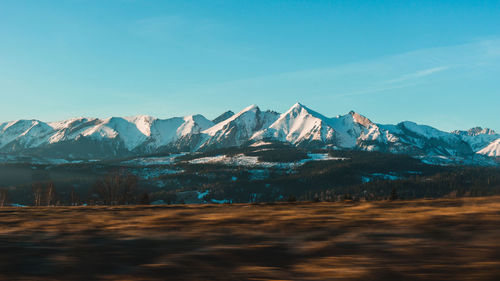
(492, 150)
(22, 122)
(198, 120)
(139, 118)
(298, 108)
(252, 107)
(192, 117)
(301, 114)
(475, 132)
(224, 116)
(360, 119)
(299, 123)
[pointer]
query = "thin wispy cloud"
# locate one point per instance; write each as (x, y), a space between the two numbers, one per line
(418, 74)
(366, 77)
(376, 89)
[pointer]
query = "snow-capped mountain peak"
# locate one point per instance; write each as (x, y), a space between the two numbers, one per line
(479, 139)
(237, 129)
(142, 123)
(299, 125)
(224, 116)
(475, 132)
(360, 119)
(24, 133)
(244, 117)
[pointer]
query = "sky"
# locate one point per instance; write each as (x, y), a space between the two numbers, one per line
(431, 62)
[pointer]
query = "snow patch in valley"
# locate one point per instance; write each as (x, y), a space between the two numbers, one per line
(260, 143)
(253, 161)
(151, 173)
(322, 157)
(17, 205)
(201, 195)
(237, 160)
(148, 161)
(380, 176)
(223, 201)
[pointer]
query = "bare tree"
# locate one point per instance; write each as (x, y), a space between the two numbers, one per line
(4, 197)
(73, 198)
(37, 191)
(117, 188)
(144, 199)
(50, 194)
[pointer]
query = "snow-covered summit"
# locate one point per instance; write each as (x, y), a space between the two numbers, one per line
(299, 126)
(24, 133)
(224, 116)
(476, 131)
(131, 132)
(237, 129)
(479, 139)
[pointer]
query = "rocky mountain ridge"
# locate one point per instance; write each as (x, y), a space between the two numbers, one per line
(92, 138)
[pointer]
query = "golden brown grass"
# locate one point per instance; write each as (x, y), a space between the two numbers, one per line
(448, 239)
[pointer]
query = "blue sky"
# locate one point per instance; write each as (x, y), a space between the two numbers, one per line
(432, 62)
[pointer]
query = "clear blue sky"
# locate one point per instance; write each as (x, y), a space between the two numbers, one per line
(432, 62)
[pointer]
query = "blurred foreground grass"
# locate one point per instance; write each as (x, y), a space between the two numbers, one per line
(448, 239)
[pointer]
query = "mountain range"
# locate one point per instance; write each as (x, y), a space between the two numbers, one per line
(116, 137)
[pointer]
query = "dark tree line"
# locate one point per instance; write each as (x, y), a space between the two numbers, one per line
(117, 188)
(314, 181)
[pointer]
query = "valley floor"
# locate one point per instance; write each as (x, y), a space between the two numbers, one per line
(444, 239)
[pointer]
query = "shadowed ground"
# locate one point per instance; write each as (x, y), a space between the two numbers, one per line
(452, 239)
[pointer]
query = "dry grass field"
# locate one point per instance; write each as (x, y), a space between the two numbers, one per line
(448, 239)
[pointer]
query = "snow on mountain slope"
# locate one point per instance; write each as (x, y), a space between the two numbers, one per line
(127, 131)
(24, 133)
(71, 129)
(423, 139)
(224, 116)
(353, 127)
(133, 131)
(142, 123)
(492, 150)
(194, 124)
(245, 118)
(424, 131)
(476, 131)
(65, 124)
(302, 126)
(299, 125)
(146, 130)
(167, 131)
(434, 141)
(237, 129)
(478, 138)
